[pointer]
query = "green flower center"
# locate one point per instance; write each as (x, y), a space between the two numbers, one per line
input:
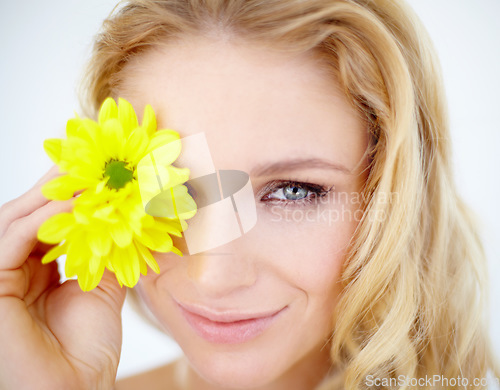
(118, 174)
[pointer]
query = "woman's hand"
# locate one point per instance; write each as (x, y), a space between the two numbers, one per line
(52, 336)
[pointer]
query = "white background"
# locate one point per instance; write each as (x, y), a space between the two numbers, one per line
(44, 44)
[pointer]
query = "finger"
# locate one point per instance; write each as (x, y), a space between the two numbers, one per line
(29, 281)
(21, 236)
(110, 290)
(41, 278)
(49, 175)
(26, 203)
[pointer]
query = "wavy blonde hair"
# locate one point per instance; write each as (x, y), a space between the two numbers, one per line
(415, 283)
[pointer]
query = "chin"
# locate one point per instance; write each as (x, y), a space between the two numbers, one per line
(235, 372)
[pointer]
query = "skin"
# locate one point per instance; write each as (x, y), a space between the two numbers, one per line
(257, 107)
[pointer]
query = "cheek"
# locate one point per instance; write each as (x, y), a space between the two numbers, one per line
(310, 259)
(307, 261)
(307, 258)
(309, 246)
(149, 285)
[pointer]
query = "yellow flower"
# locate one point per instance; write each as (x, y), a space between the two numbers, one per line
(108, 227)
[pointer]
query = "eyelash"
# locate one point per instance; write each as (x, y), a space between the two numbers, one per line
(318, 192)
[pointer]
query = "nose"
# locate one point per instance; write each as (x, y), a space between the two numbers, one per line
(222, 271)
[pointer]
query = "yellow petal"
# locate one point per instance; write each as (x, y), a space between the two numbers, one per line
(148, 257)
(81, 215)
(99, 242)
(110, 266)
(135, 146)
(185, 205)
(53, 148)
(112, 139)
(54, 253)
(176, 176)
(125, 262)
(108, 110)
(77, 254)
(161, 205)
(86, 169)
(121, 234)
(176, 251)
(143, 266)
(135, 214)
(164, 137)
(73, 145)
(63, 187)
(81, 263)
(149, 120)
(88, 280)
(127, 116)
(170, 226)
(172, 203)
(156, 240)
(136, 226)
(150, 178)
(95, 265)
(56, 228)
(105, 209)
(89, 130)
(72, 127)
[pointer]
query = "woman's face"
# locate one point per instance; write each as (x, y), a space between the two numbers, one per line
(258, 309)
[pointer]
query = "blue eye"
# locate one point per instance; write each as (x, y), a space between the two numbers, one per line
(287, 192)
(293, 192)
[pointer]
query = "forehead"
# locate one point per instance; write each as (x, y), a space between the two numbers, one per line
(256, 101)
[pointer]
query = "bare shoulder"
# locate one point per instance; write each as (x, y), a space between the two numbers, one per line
(164, 377)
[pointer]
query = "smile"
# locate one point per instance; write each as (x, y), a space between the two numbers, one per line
(228, 328)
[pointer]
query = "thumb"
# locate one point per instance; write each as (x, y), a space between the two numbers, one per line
(110, 290)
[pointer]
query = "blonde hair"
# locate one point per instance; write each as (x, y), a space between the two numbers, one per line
(414, 297)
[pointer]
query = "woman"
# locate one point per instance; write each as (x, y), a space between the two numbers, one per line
(364, 269)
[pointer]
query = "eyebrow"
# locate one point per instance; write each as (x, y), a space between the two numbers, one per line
(297, 164)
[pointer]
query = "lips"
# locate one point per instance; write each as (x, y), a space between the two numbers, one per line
(227, 327)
